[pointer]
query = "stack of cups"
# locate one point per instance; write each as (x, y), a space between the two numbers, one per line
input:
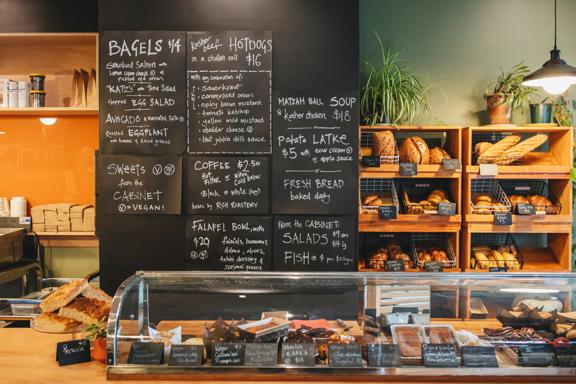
(23, 94)
(37, 93)
(4, 207)
(18, 207)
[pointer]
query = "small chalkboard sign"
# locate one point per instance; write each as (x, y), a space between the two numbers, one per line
(384, 355)
(535, 355)
(502, 218)
(395, 265)
(371, 161)
(413, 310)
(498, 269)
(345, 355)
(476, 356)
(73, 352)
(300, 354)
(446, 209)
(387, 212)
(525, 209)
(228, 354)
(451, 164)
(489, 170)
(182, 355)
(439, 355)
(261, 354)
(146, 353)
(408, 169)
(434, 266)
(566, 355)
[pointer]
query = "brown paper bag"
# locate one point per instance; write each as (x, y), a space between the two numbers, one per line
(92, 90)
(75, 100)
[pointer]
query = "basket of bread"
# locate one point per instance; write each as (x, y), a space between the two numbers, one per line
(505, 149)
(422, 198)
(383, 247)
(434, 247)
(383, 145)
(534, 192)
(414, 149)
(495, 250)
(488, 197)
(375, 193)
(72, 307)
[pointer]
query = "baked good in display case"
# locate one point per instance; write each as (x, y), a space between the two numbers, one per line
(486, 204)
(415, 150)
(508, 150)
(50, 322)
(391, 250)
(429, 206)
(504, 256)
(383, 144)
(437, 155)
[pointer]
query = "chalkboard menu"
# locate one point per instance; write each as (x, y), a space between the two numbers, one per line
(261, 354)
(299, 354)
(310, 243)
(139, 185)
(229, 243)
(228, 185)
(315, 154)
(228, 354)
(230, 92)
(143, 92)
(345, 355)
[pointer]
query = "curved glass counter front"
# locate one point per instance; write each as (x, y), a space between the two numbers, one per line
(335, 326)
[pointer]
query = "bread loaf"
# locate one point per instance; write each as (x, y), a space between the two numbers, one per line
(96, 293)
(522, 149)
(85, 310)
(498, 149)
(63, 295)
(480, 148)
(414, 150)
(53, 323)
(383, 144)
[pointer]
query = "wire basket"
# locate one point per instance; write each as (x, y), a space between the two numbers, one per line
(493, 137)
(441, 240)
(493, 241)
(366, 141)
(378, 187)
(373, 241)
(416, 191)
(493, 189)
(533, 187)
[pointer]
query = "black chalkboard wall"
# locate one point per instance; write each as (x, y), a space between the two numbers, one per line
(315, 52)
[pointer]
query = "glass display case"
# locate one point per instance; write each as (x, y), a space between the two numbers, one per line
(343, 326)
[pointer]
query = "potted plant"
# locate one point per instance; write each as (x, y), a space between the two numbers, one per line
(391, 94)
(541, 113)
(97, 336)
(561, 111)
(507, 94)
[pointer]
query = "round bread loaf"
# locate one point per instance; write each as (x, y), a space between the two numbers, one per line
(383, 144)
(414, 150)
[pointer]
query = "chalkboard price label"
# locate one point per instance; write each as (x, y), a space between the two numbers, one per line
(488, 170)
(387, 212)
(481, 357)
(73, 352)
(146, 353)
(299, 354)
(502, 218)
(498, 269)
(395, 265)
(371, 161)
(439, 355)
(186, 355)
(451, 164)
(525, 209)
(384, 355)
(446, 209)
(261, 354)
(345, 355)
(434, 266)
(535, 355)
(408, 169)
(228, 354)
(566, 356)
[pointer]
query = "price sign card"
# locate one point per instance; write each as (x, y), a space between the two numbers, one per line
(439, 355)
(228, 354)
(566, 355)
(484, 357)
(535, 355)
(408, 169)
(502, 218)
(261, 354)
(146, 353)
(384, 355)
(301, 354)
(345, 355)
(387, 212)
(73, 352)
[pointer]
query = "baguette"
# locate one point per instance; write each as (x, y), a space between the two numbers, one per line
(522, 149)
(63, 295)
(498, 149)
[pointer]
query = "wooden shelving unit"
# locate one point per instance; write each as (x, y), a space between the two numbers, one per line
(448, 137)
(68, 239)
(550, 165)
(49, 111)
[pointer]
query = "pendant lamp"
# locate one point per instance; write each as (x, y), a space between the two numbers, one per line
(555, 76)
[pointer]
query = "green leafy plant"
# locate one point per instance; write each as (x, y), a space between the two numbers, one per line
(561, 111)
(97, 330)
(509, 86)
(391, 94)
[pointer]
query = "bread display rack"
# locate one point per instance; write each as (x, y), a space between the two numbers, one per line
(531, 166)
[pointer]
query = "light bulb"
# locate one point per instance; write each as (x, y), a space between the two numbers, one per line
(555, 85)
(48, 120)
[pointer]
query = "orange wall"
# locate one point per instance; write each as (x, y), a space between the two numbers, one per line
(48, 164)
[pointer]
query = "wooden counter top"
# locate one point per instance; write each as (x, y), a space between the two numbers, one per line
(29, 357)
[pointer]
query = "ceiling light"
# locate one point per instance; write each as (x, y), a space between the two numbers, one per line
(555, 76)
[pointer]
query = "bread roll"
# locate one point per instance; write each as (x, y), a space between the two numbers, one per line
(515, 199)
(480, 198)
(482, 147)
(440, 193)
(368, 199)
(383, 144)
(498, 149)
(414, 150)
(438, 154)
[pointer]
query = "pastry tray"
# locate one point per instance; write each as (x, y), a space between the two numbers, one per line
(409, 360)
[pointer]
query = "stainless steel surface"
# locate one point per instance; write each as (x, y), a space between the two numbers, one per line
(11, 245)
